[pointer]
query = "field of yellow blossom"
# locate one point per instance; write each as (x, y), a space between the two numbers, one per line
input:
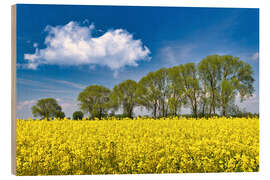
(132, 146)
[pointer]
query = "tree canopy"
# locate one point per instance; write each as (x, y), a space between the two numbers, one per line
(207, 88)
(95, 100)
(125, 95)
(47, 108)
(225, 77)
(149, 93)
(77, 115)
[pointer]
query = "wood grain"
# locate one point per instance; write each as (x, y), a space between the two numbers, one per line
(13, 89)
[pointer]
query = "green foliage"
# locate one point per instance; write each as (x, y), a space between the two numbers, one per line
(60, 115)
(162, 80)
(77, 115)
(47, 108)
(148, 94)
(95, 100)
(207, 89)
(192, 87)
(223, 78)
(124, 95)
(177, 96)
(210, 72)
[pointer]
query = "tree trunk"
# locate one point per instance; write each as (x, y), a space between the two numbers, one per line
(155, 110)
(223, 110)
(130, 112)
(195, 109)
(163, 108)
(100, 113)
(223, 107)
(203, 110)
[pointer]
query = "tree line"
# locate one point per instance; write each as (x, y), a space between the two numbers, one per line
(208, 88)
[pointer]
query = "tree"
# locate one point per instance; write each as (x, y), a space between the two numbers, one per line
(192, 90)
(60, 114)
(95, 100)
(46, 108)
(77, 115)
(205, 106)
(224, 77)
(210, 72)
(162, 80)
(176, 87)
(154, 92)
(236, 78)
(148, 94)
(124, 95)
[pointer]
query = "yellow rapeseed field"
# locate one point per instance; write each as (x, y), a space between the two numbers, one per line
(165, 145)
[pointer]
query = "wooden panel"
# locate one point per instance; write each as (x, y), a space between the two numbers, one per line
(13, 89)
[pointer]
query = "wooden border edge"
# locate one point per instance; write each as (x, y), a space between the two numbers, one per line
(13, 88)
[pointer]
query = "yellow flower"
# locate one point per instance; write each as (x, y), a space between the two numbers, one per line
(111, 146)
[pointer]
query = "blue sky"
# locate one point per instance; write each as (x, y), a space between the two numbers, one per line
(63, 49)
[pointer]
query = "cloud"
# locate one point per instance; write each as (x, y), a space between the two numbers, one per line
(53, 91)
(64, 103)
(250, 105)
(72, 84)
(255, 56)
(35, 45)
(49, 85)
(72, 45)
(32, 83)
(27, 103)
(176, 54)
(68, 106)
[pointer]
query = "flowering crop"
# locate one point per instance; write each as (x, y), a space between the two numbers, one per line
(165, 145)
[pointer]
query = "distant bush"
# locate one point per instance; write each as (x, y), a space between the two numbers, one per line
(77, 115)
(60, 115)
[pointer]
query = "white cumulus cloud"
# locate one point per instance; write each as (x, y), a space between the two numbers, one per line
(73, 44)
